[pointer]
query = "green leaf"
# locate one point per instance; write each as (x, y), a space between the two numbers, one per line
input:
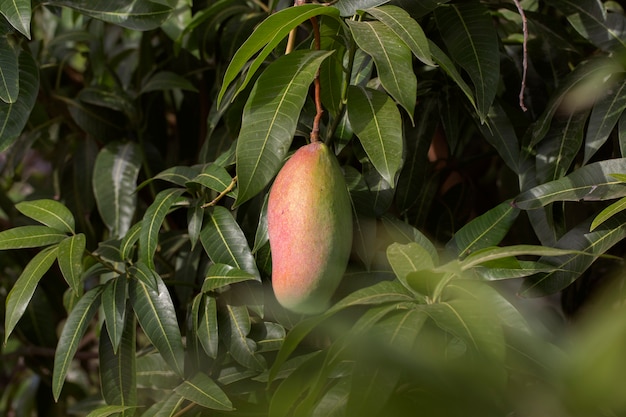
(71, 335)
(332, 77)
(70, 258)
(592, 182)
(402, 232)
(135, 15)
(29, 237)
(118, 367)
(48, 212)
(114, 309)
(484, 231)
(270, 118)
(128, 242)
(166, 80)
(9, 71)
(407, 258)
(213, 177)
(608, 212)
(153, 373)
(13, 116)
(108, 410)
(242, 348)
(18, 13)
(350, 7)
(152, 221)
(156, 314)
(448, 67)
(493, 253)
(377, 123)
(178, 175)
(470, 36)
(407, 29)
(114, 181)
(207, 327)
(500, 134)
(22, 292)
(586, 247)
(166, 407)
(393, 60)
(520, 269)
(225, 243)
(266, 36)
(202, 390)
(220, 275)
(604, 117)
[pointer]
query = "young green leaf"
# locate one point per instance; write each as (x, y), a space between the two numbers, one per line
(157, 316)
(270, 119)
(20, 295)
(71, 335)
(152, 222)
(377, 123)
(70, 257)
(402, 232)
(408, 258)
(48, 212)
(393, 60)
(203, 391)
(29, 237)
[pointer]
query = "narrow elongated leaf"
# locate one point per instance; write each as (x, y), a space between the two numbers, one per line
(225, 243)
(568, 267)
(265, 38)
(500, 134)
(178, 175)
(70, 258)
(203, 391)
(486, 255)
(520, 270)
(166, 407)
(270, 118)
(13, 116)
(408, 258)
(18, 13)
(9, 71)
(118, 367)
(377, 123)
(48, 212)
(447, 65)
(332, 77)
(114, 309)
(135, 15)
(109, 410)
(153, 373)
(167, 80)
(402, 232)
(350, 7)
(152, 221)
(407, 29)
(207, 327)
(472, 41)
(157, 316)
(71, 335)
(486, 230)
(129, 240)
(114, 181)
(590, 183)
(29, 237)
(20, 295)
(242, 348)
(393, 60)
(213, 177)
(604, 117)
(608, 212)
(220, 275)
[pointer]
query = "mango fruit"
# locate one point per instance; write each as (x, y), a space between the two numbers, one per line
(309, 221)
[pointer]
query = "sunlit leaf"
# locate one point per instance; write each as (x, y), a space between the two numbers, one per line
(20, 295)
(270, 118)
(350, 7)
(608, 212)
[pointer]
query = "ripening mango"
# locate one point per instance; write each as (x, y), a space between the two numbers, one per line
(309, 219)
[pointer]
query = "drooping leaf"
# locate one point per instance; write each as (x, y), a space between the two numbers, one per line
(71, 335)
(332, 77)
(178, 175)
(402, 232)
(20, 295)
(472, 41)
(114, 309)
(266, 36)
(128, 242)
(207, 326)
(220, 275)
(9, 71)
(13, 116)
(448, 67)
(591, 182)
(118, 367)
(485, 230)
(109, 410)
(203, 391)
(608, 212)
(377, 123)
(29, 237)
(70, 258)
(406, 28)
(242, 348)
(152, 222)
(270, 118)
(604, 117)
(18, 13)
(214, 177)
(500, 134)
(135, 15)
(567, 268)
(393, 60)
(48, 212)
(166, 407)
(157, 316)
(225, 243)
(114, 181)
(166, 80)
(490, 254)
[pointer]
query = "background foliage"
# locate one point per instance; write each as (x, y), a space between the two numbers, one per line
(484, 147)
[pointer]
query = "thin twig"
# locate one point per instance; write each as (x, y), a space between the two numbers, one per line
(524, 53)
(319, 111)
(222, 194)
(291, 42)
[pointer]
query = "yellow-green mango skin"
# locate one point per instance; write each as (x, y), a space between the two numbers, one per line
(309, 221)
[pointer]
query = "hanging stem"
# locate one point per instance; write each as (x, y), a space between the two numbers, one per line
(524, 53)
(291, 42)
(319, 111)
(221, 195)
